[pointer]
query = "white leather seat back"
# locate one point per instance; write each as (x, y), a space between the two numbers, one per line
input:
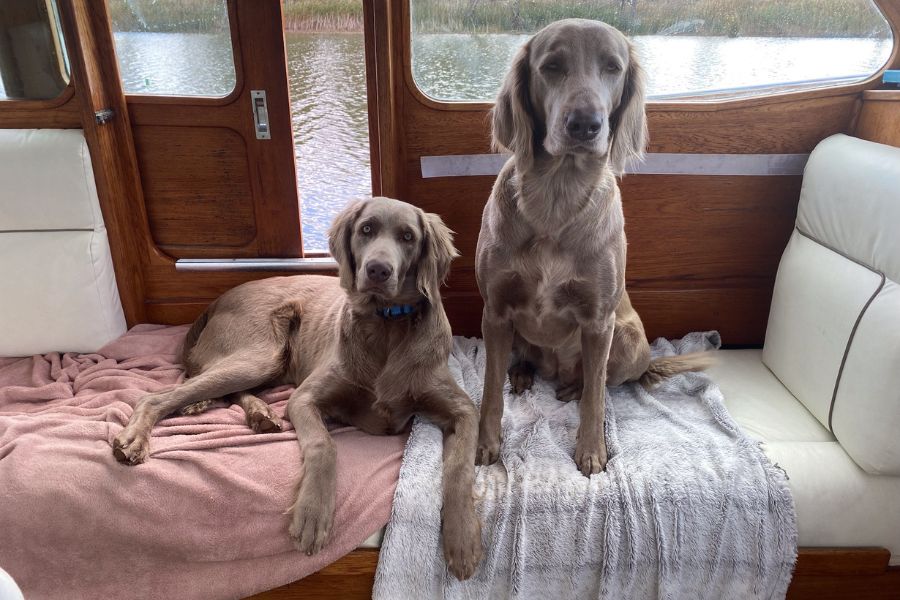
(57, 286)
(833, 337)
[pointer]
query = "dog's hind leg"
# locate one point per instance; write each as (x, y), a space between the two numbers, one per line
(260, 416)
(243, 370)
(523, 366)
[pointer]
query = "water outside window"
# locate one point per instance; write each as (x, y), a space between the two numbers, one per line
(462, 48)
(173, 47)
(327, 76)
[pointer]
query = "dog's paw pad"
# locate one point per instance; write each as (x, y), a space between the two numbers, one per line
(129, 449)
(264, 421)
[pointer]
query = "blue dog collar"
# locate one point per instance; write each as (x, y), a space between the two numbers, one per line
(396, 311)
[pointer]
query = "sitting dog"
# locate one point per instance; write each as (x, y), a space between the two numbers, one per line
(550, 260)
(369, 348)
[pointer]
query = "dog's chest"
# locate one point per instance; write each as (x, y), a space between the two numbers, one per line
(549, 292)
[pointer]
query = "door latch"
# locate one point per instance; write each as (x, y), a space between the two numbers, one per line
(260, 114)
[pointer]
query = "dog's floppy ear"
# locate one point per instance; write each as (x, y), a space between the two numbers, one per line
(339, 236)
(629, 121)
(512, 124)
(437, 253)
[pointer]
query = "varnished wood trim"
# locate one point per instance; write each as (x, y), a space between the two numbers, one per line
(95, 73)
(387, 129)
(349, 578)
(834, 561)
(820, 574)
(372, 97)
(276, 202)
(25, 104)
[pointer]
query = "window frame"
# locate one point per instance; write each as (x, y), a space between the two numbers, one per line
(232, 96)
(696, 101)
(68, 91)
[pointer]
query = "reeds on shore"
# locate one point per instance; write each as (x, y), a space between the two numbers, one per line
(780, 18)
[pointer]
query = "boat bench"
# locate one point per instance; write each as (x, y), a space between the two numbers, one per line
(823, 395)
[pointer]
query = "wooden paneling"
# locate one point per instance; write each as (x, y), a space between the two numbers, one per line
(212, 189)
(95, 74)
(197, 189)
(879, 117)
(840, 574)
(820, 574)
(264, 63)
(62, 113)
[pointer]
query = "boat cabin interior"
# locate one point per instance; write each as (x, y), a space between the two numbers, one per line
(155, 154)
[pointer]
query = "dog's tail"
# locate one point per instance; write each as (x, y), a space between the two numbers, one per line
(190, 339)
(666, 366)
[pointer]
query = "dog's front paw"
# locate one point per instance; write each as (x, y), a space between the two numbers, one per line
(262, 419)
(488, 449)
(131, 447)
(590, 454)
(461, 534)
(311, 522)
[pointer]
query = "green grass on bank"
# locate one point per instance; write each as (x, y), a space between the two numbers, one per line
(780, 18)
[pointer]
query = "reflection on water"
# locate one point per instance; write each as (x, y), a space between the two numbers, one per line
(175, 64)
(328, 86)
(327, 76)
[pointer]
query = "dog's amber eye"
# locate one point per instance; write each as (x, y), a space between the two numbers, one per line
(407, 237)
(366, 229)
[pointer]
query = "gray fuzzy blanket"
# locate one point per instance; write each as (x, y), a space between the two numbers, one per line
(688, 507)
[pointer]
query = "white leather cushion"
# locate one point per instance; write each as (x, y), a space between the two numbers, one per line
(56, 277)
(837, 503)
(59, 293)
(46, 181)
(850, 200)
(818, 297)
(866, 416)
(760, 403)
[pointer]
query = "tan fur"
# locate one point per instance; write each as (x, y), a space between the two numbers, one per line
(550, 261)
(323, 335)
(666, 366)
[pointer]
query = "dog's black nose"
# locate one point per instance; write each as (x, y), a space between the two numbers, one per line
(583, 126)
(378, 271)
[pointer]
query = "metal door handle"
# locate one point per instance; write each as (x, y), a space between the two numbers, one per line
(260, 114)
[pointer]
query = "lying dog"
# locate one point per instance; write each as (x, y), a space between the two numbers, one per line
(369, 348)
(550, 261)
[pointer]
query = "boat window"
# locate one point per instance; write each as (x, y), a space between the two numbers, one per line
(33, 61)
(173, 48)
(325, 48)
(461, 49)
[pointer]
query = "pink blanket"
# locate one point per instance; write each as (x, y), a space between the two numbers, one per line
(203, 518)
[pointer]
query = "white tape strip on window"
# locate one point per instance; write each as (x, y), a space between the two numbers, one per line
(466, 165)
